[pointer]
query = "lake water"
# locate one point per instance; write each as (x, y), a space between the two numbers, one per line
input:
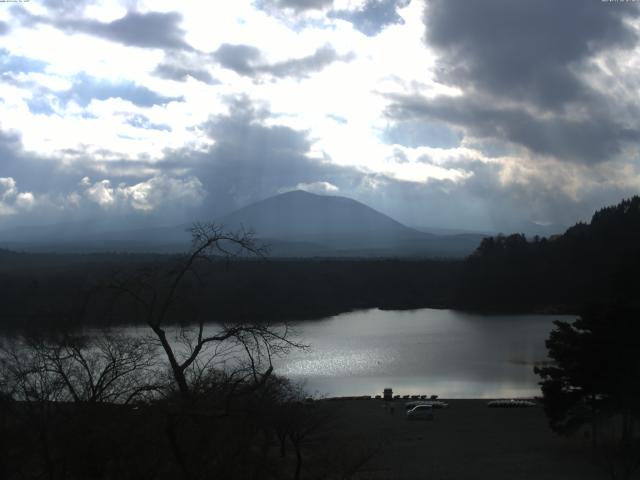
(434, 352)
(447, 353)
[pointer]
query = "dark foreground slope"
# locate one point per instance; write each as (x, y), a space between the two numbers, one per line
(357, 439)
(465, 441)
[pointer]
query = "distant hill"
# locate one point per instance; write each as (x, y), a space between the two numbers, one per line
(293, 224)
(303, 224)
(302, 215)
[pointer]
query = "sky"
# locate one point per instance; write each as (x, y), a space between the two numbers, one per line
(486, 115)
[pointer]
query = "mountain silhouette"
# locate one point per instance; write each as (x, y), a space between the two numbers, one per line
(293, 224)
(299, 223)
(303, 215)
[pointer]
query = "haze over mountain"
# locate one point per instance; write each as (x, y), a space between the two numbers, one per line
(303, 215)
(293, 224)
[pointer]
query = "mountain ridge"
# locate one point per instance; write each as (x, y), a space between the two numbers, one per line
(294, 224)
(300, 214)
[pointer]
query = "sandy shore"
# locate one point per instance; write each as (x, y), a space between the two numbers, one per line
(468, 440)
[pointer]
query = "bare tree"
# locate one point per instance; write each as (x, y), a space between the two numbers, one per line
(75, 368)
(246, 348)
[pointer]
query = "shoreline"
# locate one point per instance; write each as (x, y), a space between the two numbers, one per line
(412, 398)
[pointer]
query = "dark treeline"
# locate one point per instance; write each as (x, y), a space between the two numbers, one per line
(49, 290)
(595, 263)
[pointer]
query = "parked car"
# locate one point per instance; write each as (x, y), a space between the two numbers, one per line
(433, 403)
(420, 412)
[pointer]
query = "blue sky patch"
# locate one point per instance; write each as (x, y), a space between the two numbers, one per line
(416, 133)
(140, 121)
(374, 16)
(86, 88)
(19, 64)
(40, 105)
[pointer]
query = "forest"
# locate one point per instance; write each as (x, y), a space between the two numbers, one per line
(595, 262)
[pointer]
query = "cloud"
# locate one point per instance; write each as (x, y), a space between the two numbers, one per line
(486, 201)
(49, 190)
(4, 28)
(179, 66)
(374, 16)
(33, 174)
(295, 5)
(7, 188)
(160, 191)
(181, 74)
(478, 114)
(239, 58)
(597, 138)
(100, 192)
(528, 75)
(248, 61)
(250, 160)
(13, 201)
(146, 30)
(135, 29)
(65, 6)
(321, 188)
(530, 50)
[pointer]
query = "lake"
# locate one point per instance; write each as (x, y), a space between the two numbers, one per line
(434, 352)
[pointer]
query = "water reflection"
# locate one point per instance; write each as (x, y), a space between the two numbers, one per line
(443, 352)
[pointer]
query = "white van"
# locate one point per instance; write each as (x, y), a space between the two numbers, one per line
(420, 412)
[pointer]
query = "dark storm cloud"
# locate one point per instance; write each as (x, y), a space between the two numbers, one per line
(525, 50)
(251, 161)
(31, 173)
(374, 16)
(86, 88)
(248, 61)
(523, 69)
(591, 140)
(145, 30)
